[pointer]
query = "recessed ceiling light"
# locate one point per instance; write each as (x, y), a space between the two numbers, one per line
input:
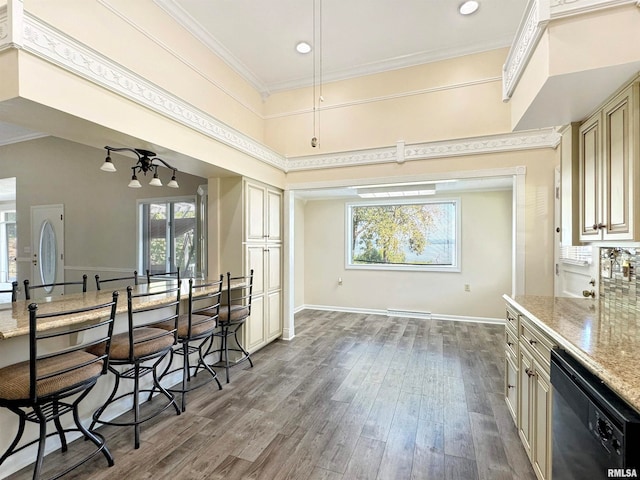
(467, 8)
(303, 47)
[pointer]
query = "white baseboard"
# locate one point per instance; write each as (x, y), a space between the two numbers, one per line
(404, 314)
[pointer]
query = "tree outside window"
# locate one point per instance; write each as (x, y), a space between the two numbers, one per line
(419, 235)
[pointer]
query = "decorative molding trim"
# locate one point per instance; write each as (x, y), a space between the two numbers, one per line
(545, 138)
(536, 18)
(158, 41)
(529, 32)
(51, 45)
(194, 27)
(564, 8)
(54, 46)
(4, 27)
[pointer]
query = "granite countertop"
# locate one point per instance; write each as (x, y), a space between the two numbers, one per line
(607, 345)
(14, 317)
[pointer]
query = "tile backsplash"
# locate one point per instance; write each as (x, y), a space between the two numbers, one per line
(619, 289)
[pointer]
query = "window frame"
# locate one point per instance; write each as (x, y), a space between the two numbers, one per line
(457, 263)
(142, 247)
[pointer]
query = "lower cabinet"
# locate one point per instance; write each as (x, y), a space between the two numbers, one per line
(528, 392)
(265, 323)
(511, 384)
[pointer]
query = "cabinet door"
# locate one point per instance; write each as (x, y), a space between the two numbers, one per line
(589, 171)
(273, 318)
(618, 168)
(254, 334)
(256, 261)
(511, 385)
(274, 214)
(525, 413)
(255, 207)
(274, 270)
(541, 449)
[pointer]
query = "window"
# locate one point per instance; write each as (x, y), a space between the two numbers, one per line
(409, 235)
(8, 246)
(169, 230)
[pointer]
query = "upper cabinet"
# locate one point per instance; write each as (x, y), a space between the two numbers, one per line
(608, 167)
(263, 213)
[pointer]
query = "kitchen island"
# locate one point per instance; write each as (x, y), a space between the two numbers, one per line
(14, 347)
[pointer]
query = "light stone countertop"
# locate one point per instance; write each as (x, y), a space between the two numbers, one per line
(607, 345)
(14, 317)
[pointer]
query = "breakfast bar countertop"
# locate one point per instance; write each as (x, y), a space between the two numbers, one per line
(14, 317)
(606, 344)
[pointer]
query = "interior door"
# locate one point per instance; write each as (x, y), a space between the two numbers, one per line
(47, 248)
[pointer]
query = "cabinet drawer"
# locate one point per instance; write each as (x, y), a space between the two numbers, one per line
(536, 341)
(512, 320)
(511, 342)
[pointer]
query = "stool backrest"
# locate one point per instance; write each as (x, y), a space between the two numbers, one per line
(121, 280)
(204, 302)
(28, 287)
(160, 276)
(51, 351)
(145, 309)
(240, 290)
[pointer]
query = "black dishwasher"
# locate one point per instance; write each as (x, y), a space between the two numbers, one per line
(595, 433)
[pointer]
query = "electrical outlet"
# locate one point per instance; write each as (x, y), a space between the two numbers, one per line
(467, 287)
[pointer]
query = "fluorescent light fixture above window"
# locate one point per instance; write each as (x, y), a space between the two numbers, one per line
(396, 191)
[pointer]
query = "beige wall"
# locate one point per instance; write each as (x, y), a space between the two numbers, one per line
(454, 98)
(538, 198)
(100, 210)
(485, 264)
(164, 54)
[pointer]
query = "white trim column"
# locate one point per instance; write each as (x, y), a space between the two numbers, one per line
(288, 328)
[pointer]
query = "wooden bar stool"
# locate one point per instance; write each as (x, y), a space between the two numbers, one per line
(139, 351)
(232, 316)
(194, 329)
(38, 390)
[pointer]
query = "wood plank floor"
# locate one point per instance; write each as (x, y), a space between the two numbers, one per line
(353, 396)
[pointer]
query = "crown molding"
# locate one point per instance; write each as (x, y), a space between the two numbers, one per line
(47, 43)
(545, 138)
(537, 16)
(194, 27)
(54, 46)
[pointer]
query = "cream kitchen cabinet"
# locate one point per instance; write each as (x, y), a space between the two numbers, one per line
(264, 206)
(251, 239)
(528, 392)
(608, 169)
(511, 363)
(265, 324)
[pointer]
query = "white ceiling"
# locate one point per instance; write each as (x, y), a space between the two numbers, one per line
(258, 38)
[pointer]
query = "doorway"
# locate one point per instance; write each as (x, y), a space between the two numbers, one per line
(47, 247)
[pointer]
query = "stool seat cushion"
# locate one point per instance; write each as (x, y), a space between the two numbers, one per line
(199, 324)
(238, 312)
(14, 379)
(144, 343)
